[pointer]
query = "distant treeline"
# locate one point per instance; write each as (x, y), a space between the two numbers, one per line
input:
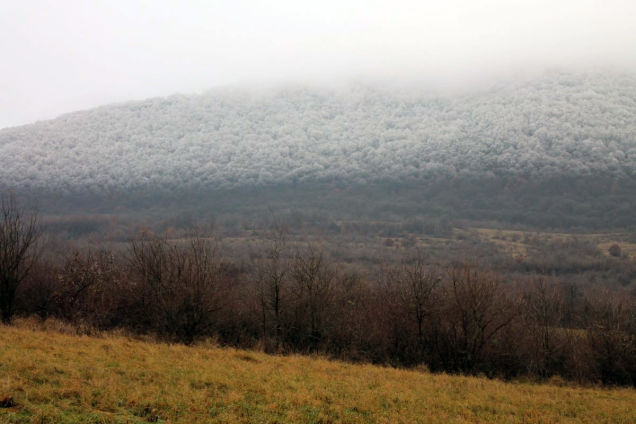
(597, 201)
(455, 318)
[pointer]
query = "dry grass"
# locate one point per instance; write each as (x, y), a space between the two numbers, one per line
(55, 377)
(514, 241)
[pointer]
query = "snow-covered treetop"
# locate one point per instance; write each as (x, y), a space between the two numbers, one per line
(558, 124)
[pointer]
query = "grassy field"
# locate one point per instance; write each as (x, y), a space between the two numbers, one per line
(515, 241)
(47, 376)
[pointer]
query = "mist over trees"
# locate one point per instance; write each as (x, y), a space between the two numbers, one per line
(560, 124)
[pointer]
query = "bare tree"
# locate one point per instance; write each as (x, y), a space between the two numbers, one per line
(543, 310)
(608, 332)
(479, 308)
(202, 290)
(271, 273)
(179, 286)
(419, 282)
(409, 292)
(392, 314)
(38, 293)
(19, 234)
(87, 286)
(313, 280)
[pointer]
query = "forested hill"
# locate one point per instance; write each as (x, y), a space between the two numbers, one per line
(558, 124)
(555, 151)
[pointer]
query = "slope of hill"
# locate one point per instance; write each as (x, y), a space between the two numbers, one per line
(51, 377)
(559, 124)
(561, 144)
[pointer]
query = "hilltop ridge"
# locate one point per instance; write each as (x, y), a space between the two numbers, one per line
(558, 124)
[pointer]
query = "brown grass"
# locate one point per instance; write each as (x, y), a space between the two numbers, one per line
(513, 241)
(63, 378)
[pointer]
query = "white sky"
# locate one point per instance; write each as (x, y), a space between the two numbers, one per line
(63, 55)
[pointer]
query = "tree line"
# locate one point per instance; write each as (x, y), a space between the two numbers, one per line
(455, 317)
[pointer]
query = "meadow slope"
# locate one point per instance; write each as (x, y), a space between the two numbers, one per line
(46, 376)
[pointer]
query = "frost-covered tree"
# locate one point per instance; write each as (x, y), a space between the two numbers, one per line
(559, 124)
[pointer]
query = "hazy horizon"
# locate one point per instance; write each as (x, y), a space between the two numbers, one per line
(59, 58)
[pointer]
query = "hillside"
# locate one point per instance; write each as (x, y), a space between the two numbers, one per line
(51, 377)
(559, 145)
(572, 124)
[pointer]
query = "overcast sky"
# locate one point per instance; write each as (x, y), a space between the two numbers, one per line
(63, 55)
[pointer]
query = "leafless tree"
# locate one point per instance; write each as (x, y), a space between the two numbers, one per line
(418, 283)
(543, 312)
(88, 285)
(179, 286)
(479, 308)
(271, 274)
(19, 233)
(391, 312)
(409, 303)
(610, 339)
(313, 280)
(37, 294)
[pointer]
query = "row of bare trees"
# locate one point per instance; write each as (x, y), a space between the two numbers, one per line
(456, 318)
(18, 251)
(453, 318)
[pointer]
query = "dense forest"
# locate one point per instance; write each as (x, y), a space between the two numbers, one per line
(555, 151)
(560, 124)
